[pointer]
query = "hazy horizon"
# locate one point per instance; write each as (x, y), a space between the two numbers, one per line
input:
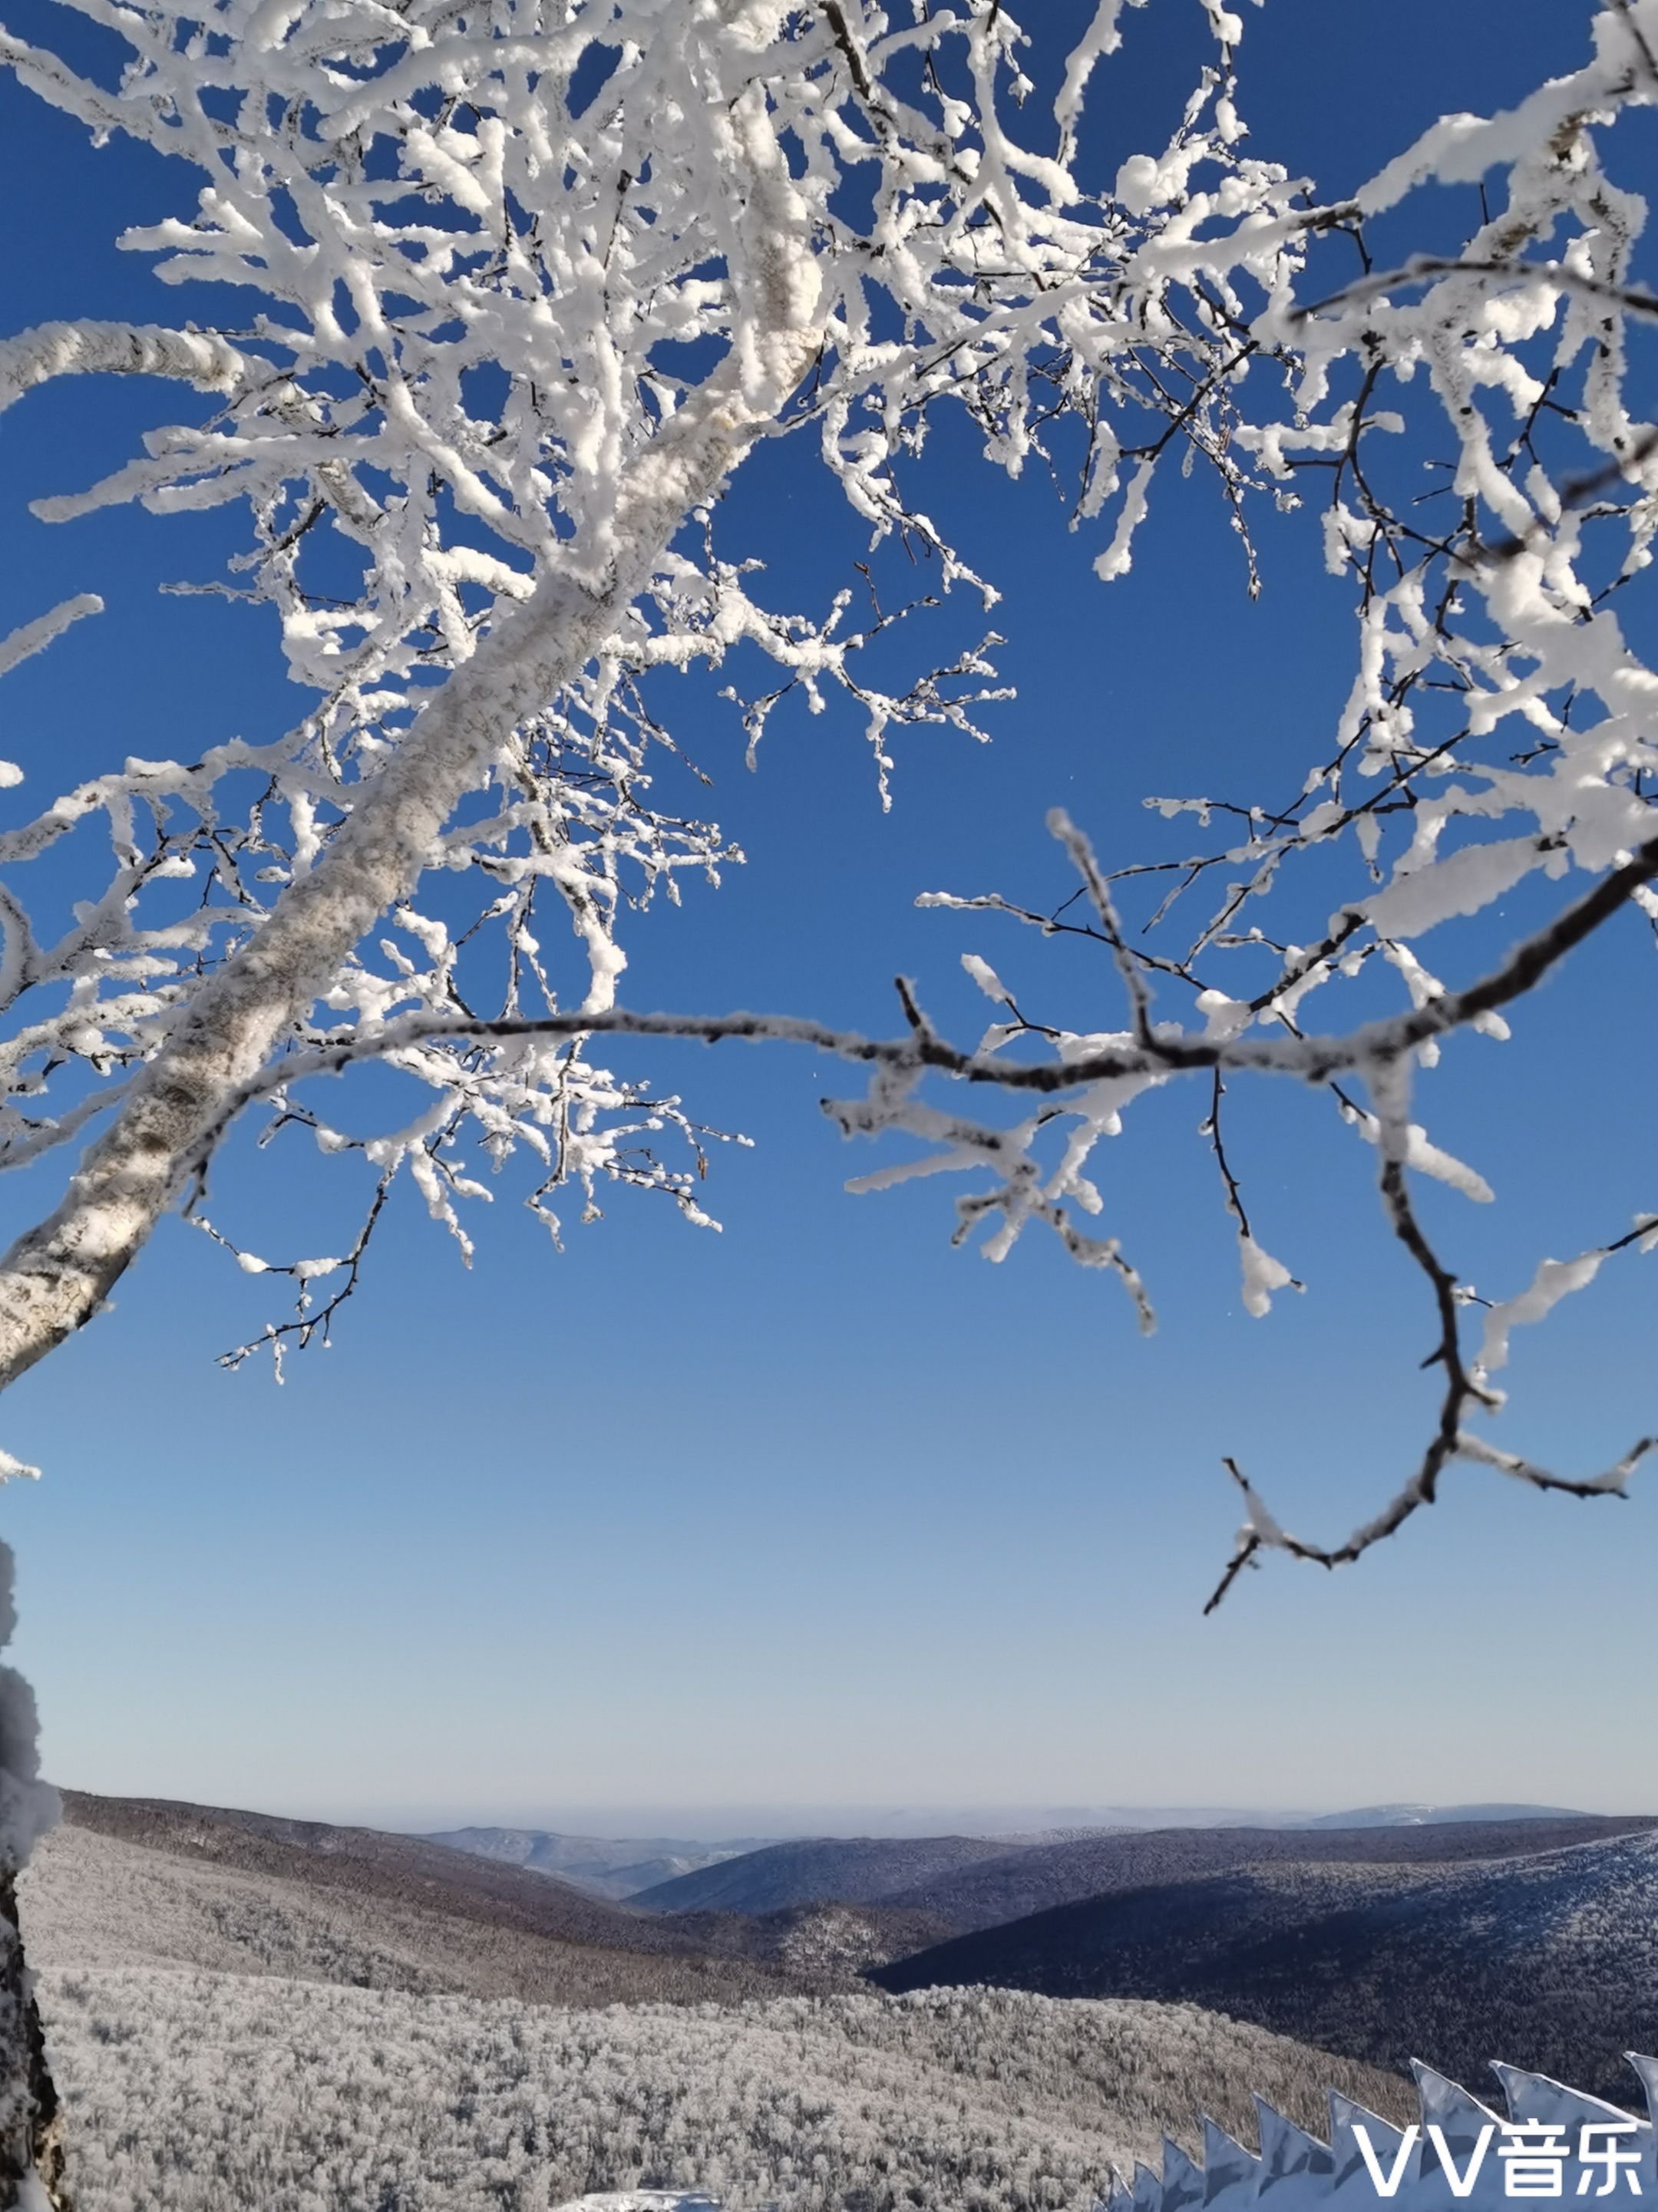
(761, 1823)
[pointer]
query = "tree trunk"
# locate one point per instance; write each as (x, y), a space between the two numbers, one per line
(31, 2131)
(31, 2143)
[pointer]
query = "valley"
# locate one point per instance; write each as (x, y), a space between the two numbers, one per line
(289, 2014)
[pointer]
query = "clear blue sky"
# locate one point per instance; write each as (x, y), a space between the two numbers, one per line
(820, 1512)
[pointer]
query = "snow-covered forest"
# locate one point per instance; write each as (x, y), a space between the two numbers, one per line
(300, 2097)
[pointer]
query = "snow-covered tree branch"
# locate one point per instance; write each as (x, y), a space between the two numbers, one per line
(534, 285)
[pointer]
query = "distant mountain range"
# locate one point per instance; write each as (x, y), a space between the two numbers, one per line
(1548, 1956)
(780, 1874)
(603, 1866)
(971, 1883)
(616, 1840)
(843, 1870)
(1416, 1816)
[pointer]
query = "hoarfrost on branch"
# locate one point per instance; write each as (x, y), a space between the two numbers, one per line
(536, 276)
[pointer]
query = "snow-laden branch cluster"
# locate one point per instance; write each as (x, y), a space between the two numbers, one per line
(1501, 726)
(535, 278)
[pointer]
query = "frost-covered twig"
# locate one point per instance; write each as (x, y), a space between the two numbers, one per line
(1167, 1051)
(558, 276)
(1467, 1390)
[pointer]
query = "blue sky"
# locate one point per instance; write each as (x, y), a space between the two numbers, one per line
(819, 1512)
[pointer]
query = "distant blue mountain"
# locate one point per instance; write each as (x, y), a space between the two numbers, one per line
(1432, 1816)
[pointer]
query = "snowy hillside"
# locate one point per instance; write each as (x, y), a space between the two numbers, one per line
(107, 1901)
(201, 2092)
(1551, 1959)
(842, 1870)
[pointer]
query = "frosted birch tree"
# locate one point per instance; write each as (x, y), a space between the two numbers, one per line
(536, 276)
